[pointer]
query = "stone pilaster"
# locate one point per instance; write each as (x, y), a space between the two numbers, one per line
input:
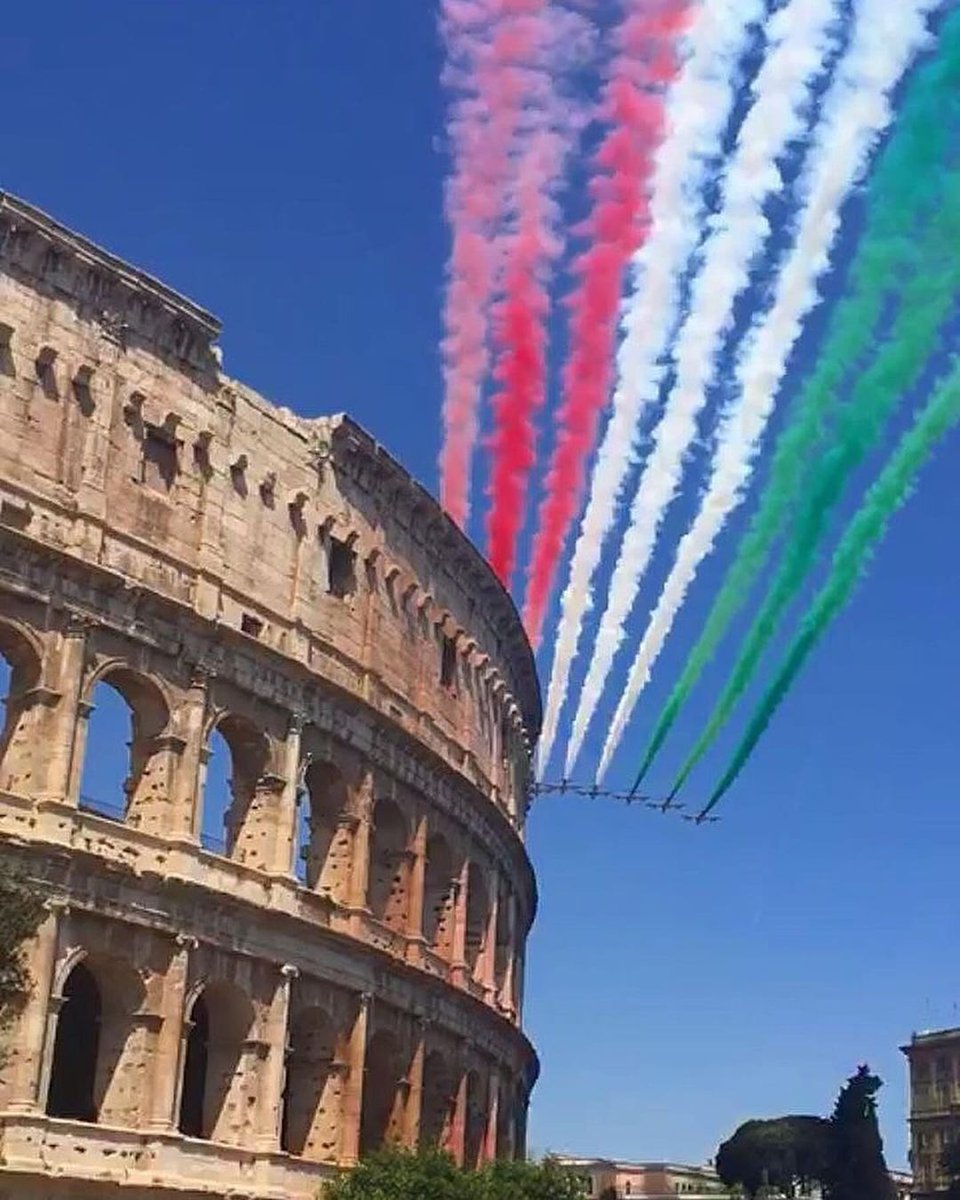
(456, 1145)
(167, 1065)
(191, 718)
(458, 968)
(418, 866)
(488, 964)
(29, 1039)
(286, 834)
(489, 1152)
(353, 1091)
(361, 803)
(65, 725)
(272, 1081)
(414, 1105)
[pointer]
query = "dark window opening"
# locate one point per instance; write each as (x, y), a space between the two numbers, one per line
(74, 1070)
(448, 663)
(158, 465)
(46, 373)
(341, 569)
(82, 391)
(195, 1072)
(251, 625)
(6, 349)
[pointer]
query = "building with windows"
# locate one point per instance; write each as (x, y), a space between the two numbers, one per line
(293, 928)
(934, 1064)
(605, 1179)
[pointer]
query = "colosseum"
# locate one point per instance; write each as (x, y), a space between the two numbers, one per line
(292, 928)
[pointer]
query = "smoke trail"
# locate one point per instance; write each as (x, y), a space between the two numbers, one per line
(903, 185)
(550, 122)
(926, 302)
(855, 112)
(801, 36)
(486, 80)
(632, 107)
(697, 110)
(890, 490)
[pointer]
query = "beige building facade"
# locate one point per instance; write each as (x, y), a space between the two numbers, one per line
(934, 1064)
(606, 1179)
(341, 964)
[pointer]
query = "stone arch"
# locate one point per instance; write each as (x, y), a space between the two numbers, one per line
(216, 1084)
(327, 827)
(381, 1116)
(475, 1120)
(478, 912)
(125, 767)
(21, 659)
(388, 888)
(439, 896)
(313, 1095)
(239, 790)
(439, 1102)
(100, 1048)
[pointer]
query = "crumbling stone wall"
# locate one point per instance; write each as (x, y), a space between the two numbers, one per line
(346, 969)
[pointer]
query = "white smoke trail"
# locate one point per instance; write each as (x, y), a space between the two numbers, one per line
(800, 36)
(698, 107)
(856, 110)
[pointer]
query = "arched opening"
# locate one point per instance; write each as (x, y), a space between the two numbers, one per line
(195, 1070)
(121, 772)
(502, 946)
(475, 1122)
(439, 1101)
(237, 760)
(478, 911)
(388, 892)
(439, 896)
(314, 1089)
(326, 833)
(218, 1086)
(73, 1072)
(381, 1118)
(19, 675)
(505, 1124)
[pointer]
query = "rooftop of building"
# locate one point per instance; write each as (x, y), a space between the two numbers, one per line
(931, 1037)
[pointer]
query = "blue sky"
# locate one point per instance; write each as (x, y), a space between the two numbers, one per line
(282, 164)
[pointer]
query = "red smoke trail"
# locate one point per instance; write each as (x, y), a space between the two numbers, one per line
(519, 334)
(484, 71)
(632, 107)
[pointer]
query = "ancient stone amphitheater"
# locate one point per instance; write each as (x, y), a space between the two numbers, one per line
(247, 975)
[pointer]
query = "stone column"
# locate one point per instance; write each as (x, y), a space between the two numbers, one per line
(458, 967)
(414, 1105)
(287, 817)
(361, 802)
(167, 1065)
(456, 1145)
(506, 998)
(273, 1079)
(29, 1040)
(189, 779)
(488, 967)
(418, 866)
(353, 1091)
(489, 1152)
(63, 731)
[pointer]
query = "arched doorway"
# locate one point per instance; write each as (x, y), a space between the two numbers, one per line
(381, 1114)
(439, 1101)
(476, 1121)
(238, 756)
(313, 1094)
(388, 893)
(195, 1070)
(439, 897)
(325, 835)
(217, 1084)
(19, 675)
(478, 911)
(73, 1072)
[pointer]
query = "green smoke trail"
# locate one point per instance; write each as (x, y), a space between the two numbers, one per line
(890, 490)
(903, 187)
(926, 302)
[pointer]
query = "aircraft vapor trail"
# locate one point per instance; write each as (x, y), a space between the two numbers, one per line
(890, 490)
(855, 112)
(801, 36)
(698, 107)
(902, 186)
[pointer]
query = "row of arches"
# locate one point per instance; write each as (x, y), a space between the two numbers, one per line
(100, 1072)
(353, 849)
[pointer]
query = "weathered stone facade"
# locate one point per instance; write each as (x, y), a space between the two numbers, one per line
(346, 967)
(934, 1061)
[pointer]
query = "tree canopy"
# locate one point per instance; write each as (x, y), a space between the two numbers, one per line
(401, 1175)
(858, 1170)
(783, 1152)
(21, 911)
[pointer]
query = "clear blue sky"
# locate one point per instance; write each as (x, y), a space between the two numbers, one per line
(280, 163)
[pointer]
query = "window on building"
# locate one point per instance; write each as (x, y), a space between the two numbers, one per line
(251, 625)
(158, 461)
(341, 569)
(448, 663)
(75, 1050)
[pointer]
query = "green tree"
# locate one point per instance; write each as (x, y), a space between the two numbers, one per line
(402, 1175)
(783, 1153)
(857, 1170)
(21, 910)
